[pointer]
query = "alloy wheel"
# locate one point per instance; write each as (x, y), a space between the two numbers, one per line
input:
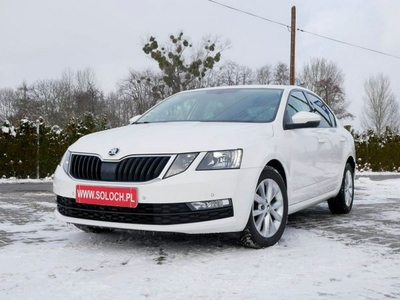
(268, 208)
(348, 188)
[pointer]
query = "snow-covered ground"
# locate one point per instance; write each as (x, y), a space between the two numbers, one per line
(320, 256)
(27, 180)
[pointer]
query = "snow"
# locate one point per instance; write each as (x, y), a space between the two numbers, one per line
(14, 180)
(369, 173)
(51, 260)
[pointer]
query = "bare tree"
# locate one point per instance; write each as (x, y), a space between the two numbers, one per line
(327, 80)
(381, 108)
(212, 78)
(113, 109)
(247, 75)
(264, 75)
(228, 74)
(47, 95)
(281, 74)
(87, 94)
(66, 87)
(59, 100)
(140, 91)
(233, 74)
(25, 105)
(7, 100)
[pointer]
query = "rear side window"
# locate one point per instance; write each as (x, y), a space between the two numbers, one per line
(327, 117)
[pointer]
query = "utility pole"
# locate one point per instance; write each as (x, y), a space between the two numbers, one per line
(37, 148)
(292, 45)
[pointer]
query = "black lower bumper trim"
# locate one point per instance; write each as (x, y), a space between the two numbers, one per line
(149, 214)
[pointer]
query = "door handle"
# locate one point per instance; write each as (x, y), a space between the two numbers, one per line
(321, 141)
(342, 140)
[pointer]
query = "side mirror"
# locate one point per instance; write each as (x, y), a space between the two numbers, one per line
(304, 119)
(134, 119)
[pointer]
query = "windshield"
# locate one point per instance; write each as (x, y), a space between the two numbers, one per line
(219, 105)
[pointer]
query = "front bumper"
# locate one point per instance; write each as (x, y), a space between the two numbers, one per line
(159, 201)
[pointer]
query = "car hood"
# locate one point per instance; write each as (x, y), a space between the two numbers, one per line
(172, 138)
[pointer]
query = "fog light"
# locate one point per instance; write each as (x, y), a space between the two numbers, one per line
(202, 205)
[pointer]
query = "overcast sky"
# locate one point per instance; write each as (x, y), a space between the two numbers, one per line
(42, 38)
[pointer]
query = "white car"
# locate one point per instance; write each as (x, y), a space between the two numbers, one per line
(213, 160)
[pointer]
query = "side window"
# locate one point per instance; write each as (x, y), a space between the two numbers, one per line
(296, 102)
(327, 118)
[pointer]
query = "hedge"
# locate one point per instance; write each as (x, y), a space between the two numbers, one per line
(377, 152)
(21, 148)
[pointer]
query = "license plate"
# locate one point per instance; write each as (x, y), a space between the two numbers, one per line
(109, 196)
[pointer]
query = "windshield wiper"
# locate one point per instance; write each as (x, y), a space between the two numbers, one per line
(145, 122)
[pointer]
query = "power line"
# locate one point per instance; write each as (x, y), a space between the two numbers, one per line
(349, 44)
(303, 30)
(249, 13)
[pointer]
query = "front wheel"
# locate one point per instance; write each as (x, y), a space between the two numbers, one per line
(269, 211)
(343, 202)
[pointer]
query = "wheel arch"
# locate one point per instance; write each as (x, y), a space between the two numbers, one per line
(352, 162)
(276, 164)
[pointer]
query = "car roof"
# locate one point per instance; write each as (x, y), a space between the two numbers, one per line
(281, 87)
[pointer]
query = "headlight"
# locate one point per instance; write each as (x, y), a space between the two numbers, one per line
(181, 163)
(219, 160)
(65, 161)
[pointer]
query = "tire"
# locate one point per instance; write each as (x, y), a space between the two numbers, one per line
(268, 213)
(93, 229)
(343, 202)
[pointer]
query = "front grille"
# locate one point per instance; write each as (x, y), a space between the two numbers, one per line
(150, 214)
(85, 167)
(131, 169)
